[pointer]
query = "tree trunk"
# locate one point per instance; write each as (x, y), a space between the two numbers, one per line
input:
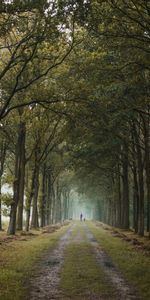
(147, 168)
(29, 200)
(48, 200)
(135, 200)
(53, 204)
(65, 204)
(114, 209)
(2, 161)
(18, 171)
(21, 181)
(135, 180)
(141, 198)
(118, 204)
(58, 203)
(0, 205)
(140, 168)
(125, 189)
(43, 200)
(35, 221)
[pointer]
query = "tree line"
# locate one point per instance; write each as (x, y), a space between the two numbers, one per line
(75, 110)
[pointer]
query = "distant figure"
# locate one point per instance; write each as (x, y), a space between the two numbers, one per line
(84, 219)
(81, 217)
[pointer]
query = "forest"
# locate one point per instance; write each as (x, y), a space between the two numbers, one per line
(75, 112)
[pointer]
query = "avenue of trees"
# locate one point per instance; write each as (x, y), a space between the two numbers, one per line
(75, 111)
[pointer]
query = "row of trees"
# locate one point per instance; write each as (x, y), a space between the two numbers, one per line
(32, 146)
(75, 110)
(115, 151)
(35, 40)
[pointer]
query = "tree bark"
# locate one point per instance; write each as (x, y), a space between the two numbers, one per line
(58, 203)
(118, 204)
(135, 200)
(16, 186)
(35, 219)
(140, 167)
(29, 200)
(48, 200)
(125, 189)
(43, 200)
(21, 181)
(135, 180)
(65, 204)
(0, 205)
(147, 167)
(2, 161)
(53, 204)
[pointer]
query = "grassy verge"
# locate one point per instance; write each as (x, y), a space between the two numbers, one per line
(18, 261)
(81, 276)
(133, 264)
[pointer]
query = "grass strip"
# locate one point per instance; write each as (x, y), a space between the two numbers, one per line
(81, 275)
(18, 261)
(134, 265)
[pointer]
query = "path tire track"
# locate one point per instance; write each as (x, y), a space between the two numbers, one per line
(124, 290)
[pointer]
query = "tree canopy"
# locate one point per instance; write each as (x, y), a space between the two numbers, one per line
(74, 109)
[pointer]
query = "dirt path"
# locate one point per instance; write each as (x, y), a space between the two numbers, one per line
(46, 283)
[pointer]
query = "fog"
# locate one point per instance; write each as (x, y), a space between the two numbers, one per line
(80, 204)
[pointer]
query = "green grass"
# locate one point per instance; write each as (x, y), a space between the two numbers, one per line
(18, 261)
(81, 275)
(134, 264)
(78, 229)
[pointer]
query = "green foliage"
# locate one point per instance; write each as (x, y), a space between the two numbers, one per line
(6, 200)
